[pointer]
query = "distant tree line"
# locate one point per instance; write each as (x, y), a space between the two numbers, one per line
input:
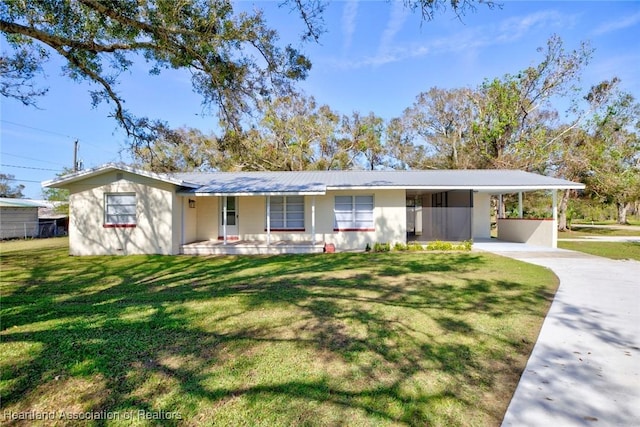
(509, 122)
(249, 79)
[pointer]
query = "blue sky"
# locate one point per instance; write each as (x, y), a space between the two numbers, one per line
(375, 56)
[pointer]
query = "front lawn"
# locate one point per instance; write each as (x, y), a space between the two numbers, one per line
(577, 231)
(330, 339)
(613, 250)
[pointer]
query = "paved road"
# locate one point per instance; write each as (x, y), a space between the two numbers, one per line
(585, 367)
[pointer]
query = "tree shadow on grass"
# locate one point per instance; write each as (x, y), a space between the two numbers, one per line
(182, 333)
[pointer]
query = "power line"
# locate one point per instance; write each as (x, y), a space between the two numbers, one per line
(22, 180)
(31, 158)
(38, 129)
(30, 167)
(58, 134)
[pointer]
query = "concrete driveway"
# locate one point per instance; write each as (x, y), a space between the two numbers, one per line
(585, 366)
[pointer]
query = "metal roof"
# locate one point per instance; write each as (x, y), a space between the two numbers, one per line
(8, 202)
(63, 181)
(318, 182)
(256, 183)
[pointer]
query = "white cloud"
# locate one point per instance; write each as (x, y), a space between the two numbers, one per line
(618, 24)
(396, 21)
(468, 39)
(349, 14)
(516, 27)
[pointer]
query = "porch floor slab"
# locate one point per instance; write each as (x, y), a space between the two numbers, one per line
(251, 247)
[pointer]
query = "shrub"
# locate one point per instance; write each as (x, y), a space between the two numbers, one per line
(439, 246)
(448, 246)
(414, 246)
(399, 247)
(381, 247)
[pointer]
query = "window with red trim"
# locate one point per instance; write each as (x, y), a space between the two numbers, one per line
(120, 210)
(353, 213)
(287, 213)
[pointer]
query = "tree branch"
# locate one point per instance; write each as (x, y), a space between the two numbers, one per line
(57, 41)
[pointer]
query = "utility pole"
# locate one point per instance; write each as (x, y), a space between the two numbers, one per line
(75, 156)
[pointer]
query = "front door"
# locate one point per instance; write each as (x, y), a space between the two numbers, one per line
(231, 215)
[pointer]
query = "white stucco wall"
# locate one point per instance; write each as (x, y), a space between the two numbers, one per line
(159, 217)
(481, 216)
(537, 232)
(253, 214)
(190, 226)
(207, 218)
(390, 220)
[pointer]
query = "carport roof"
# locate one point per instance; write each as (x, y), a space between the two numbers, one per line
(319, 182)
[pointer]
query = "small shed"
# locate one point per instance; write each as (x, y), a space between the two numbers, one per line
(53, 219)
(18, 218)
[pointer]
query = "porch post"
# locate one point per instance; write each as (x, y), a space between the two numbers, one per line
(268, 220)
(182, 240)
(520, 205)
(554, 208)
(313, 220)
(499, 216)
(224, 220)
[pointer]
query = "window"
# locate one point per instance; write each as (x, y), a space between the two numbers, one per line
(353, 213)
(287, 213)
(120, 210)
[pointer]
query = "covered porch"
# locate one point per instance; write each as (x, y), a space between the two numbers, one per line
(250, 224)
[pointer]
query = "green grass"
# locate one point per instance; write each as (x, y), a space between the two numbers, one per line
(613, 250)
(631, 220)
(578, 231)
(359, 339)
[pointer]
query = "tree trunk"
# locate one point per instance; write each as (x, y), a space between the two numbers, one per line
(622, 212)
(562, 210)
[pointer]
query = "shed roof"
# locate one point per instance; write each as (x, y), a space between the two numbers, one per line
(8, 202)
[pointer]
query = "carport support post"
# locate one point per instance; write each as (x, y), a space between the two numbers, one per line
(499, 216)
(224, 220)
(313, 220)
(268, 220)
(554, 208)
(520, 205)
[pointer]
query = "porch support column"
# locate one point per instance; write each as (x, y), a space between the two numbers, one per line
(520, 205)
(268, 220)
(182, 239)
(499, 215)
(554, 208)
(224, 220)
(313, 220)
